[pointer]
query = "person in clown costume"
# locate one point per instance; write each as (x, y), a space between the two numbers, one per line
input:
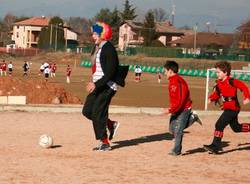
(103, 86)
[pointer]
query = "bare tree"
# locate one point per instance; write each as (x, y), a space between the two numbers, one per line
(82, 26)
(243, 32)
(160, 15)
(8, 20)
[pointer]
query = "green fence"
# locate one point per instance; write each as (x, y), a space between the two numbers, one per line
(182, 71)
(153, 51)
(215, 57)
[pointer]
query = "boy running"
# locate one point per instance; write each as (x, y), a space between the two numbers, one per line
(180, 106)
(226, 90)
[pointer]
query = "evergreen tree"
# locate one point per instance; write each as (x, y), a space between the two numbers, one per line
(111, 18)
(243, 34)
(105, 15)
(148, 31)
(115, 24)
(128, 12)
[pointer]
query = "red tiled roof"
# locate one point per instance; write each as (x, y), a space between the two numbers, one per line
(166, 27)
(160, 27)
(34, 21)
(204, 39)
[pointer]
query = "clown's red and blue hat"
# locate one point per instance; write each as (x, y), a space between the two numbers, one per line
(103, 30)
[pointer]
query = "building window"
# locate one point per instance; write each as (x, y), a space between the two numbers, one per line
(17, 34)
(17, 27)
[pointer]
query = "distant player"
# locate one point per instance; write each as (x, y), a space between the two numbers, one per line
(138, 72)
(53, 70)
(68, 74)
(159, 76)
(226, 90)
(180, 106)
(1, 69)
(10, 68)
(41, 70)
(46, 73)
(4, 68)
(25, 68)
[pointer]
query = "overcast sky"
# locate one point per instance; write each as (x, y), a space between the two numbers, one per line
(224, 15)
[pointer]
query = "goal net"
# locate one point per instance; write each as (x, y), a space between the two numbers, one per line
(243, 75)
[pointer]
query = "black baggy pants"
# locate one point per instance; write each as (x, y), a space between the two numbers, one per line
(96, 109)
(228, 117)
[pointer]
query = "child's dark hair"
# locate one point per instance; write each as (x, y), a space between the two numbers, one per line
(224, 66)
(172, 65)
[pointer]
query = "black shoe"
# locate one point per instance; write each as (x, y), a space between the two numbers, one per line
(196, 118)
(212, 148)
(113, 129)
(102, 147)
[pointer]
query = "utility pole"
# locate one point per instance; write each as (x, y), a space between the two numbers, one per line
(50, 38)
(173, 12)
(195, 37)
(66, 44)
(56, 38)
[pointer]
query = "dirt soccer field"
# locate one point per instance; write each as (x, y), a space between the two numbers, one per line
(139, 154)
(147, 93)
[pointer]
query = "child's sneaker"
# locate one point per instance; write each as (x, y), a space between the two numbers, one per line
(196, 118)
(172, 153)
(212, 148)
(103, 147)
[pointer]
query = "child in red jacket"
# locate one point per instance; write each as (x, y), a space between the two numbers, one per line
(180, 106)
(226, 90)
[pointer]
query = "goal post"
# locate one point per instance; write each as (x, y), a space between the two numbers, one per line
(211, 76)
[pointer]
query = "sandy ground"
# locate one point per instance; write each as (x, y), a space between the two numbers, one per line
(139, 153)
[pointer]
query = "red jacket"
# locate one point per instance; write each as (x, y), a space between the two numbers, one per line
(179, 94)
(225, 89)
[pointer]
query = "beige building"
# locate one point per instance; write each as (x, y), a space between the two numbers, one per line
(130, 33)
(26, 32)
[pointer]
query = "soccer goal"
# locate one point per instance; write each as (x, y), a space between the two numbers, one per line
(211, 77)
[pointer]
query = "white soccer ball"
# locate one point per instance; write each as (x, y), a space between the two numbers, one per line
(45, 141)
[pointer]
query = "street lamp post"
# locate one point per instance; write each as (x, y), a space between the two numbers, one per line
(56, 38)
(66, 44)
(195, 38)
(56, 26)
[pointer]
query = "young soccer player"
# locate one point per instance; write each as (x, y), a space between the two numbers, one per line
(226, 90)
(68, 74)
(180, 106)
(10, 68)
(4, 68)
(138, 72)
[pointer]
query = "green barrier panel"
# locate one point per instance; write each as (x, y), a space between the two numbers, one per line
(162, 70)
(143, 68)
(182, 71)
(153, 69)
(196, 72)
(130, 67)
(201, 73)
(191, 72)
(148, 69)
(85, 63)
